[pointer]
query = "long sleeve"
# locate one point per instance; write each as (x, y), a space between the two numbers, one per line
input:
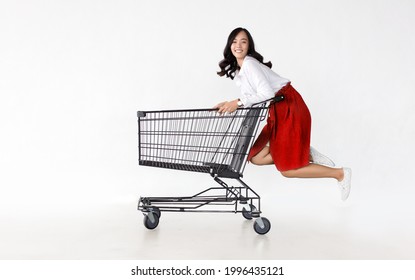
(257, 82)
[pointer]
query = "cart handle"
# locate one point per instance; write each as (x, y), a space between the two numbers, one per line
(275, 99)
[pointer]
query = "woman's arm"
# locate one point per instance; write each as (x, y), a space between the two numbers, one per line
(259, 81)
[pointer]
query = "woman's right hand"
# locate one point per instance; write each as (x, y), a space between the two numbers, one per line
(220, 105)
(227, 106)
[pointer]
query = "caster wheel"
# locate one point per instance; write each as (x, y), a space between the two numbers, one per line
(247, 214)
(155, 210)
(262, 225)
(151, 220)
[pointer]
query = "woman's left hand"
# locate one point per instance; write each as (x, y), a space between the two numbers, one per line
(227, 106)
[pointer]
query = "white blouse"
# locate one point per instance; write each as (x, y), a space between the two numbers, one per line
(257, 82)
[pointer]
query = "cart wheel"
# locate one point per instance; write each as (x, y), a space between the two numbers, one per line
(151, 220)
(247, 214)
(262, 225)
(155, 210)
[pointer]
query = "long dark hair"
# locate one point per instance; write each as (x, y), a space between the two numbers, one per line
(228, 64)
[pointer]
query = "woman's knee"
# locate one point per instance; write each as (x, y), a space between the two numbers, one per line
(257, 161)
(262, 160)
(263, 157)
(288, 173)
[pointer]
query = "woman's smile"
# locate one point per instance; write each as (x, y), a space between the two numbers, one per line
(240, 46)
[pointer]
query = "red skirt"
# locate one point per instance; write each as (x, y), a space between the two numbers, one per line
(288, 131)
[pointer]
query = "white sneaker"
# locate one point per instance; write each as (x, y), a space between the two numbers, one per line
(346, 183)
(319, 158)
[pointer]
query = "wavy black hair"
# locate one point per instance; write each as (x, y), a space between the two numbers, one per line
(228, 64)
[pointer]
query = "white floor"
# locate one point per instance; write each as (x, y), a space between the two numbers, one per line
(309, 221)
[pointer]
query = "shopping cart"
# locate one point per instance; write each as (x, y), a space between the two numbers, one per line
(207, 142)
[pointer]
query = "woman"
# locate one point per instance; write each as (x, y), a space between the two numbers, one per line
(288, 126)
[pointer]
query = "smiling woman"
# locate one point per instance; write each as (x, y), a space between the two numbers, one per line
(240, 47)
(288, 126)
(240, 44)
(241, 38)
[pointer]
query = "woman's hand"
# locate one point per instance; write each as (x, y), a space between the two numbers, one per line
(227, 106)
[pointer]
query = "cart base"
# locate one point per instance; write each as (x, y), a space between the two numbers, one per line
(212, 200)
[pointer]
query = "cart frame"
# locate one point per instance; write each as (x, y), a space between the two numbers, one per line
(166, 140)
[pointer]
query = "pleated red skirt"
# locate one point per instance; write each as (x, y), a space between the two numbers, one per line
(287, 130)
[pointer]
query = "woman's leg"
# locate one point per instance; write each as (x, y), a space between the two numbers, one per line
(343, 175)
(310, 171)
(315, 171)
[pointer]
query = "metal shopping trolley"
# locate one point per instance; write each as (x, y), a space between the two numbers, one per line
(207, 142)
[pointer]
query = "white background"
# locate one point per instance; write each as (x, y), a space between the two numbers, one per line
(74, 73)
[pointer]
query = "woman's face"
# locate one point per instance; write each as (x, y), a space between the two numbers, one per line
(240, 45)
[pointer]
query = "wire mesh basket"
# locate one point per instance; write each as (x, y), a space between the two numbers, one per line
(198, 140)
